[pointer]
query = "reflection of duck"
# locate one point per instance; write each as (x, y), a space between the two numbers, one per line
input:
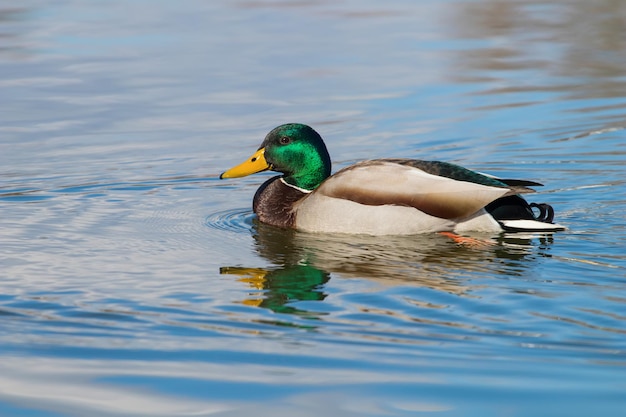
(304, 263)
(384, 196)
(426, 261)
(282, 285)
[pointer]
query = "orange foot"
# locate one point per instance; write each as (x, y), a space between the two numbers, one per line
(468, 241)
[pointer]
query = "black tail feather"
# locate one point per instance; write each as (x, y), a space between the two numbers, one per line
(546, 212)
(515, 207)
(512, 207)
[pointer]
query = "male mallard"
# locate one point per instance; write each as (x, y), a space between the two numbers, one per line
(381, 196)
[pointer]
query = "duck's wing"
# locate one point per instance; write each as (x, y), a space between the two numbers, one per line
(459, 173)
(381, 182)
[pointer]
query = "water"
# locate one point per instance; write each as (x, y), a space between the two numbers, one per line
(135, 282)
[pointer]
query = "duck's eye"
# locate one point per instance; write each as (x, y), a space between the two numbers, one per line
(285, 140)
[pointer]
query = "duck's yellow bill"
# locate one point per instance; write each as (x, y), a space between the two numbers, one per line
(256, 163)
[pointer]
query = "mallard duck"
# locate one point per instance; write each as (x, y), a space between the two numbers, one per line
(382, 196)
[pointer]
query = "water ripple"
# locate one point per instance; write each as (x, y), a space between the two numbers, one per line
(47, 189)
(233, 220)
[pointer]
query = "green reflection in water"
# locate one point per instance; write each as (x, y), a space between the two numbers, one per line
(283, 285)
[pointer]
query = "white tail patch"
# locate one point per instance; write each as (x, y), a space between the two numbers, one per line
(530, 225)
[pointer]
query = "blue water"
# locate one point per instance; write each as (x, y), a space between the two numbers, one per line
(136, 283)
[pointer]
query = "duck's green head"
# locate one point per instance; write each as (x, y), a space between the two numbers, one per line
(294, 149)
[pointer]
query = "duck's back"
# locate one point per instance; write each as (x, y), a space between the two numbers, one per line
(394, 197)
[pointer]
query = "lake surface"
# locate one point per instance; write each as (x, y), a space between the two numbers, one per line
(134, 282)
